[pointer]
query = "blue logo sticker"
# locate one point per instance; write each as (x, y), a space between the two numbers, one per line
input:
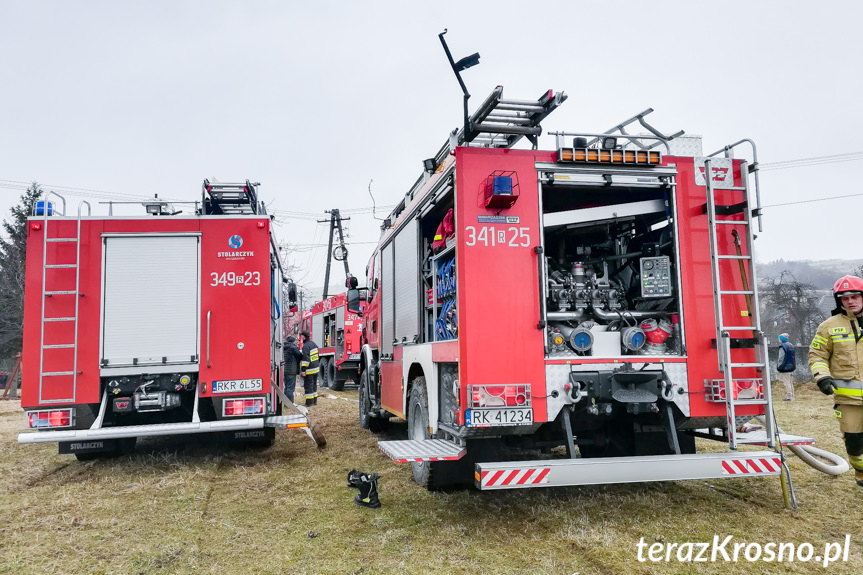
(235, 242)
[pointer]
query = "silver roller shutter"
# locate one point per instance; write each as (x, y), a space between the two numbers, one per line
(407, 283)
(150, 300)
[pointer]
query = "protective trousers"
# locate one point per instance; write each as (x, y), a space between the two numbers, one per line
(310, 385)
(851, 425)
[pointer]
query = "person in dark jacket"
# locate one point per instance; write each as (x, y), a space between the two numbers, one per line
(785, 365)
(310, 365)
(292, 355)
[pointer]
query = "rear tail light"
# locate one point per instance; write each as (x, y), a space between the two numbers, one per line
(235, 407)
(50, 418)
(499, 396)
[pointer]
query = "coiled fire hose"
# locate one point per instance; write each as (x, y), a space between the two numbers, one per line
(822, 460)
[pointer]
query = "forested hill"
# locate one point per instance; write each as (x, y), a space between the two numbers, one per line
(821, 274)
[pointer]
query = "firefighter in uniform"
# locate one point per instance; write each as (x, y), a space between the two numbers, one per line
(310, 365)
(836, 362)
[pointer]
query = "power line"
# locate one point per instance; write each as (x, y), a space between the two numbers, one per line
(812, 200)
(816, 161)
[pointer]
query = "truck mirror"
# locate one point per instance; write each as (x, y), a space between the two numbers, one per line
(353, 300)
(292, 293)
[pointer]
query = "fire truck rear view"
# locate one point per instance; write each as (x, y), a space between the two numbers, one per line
(586, 314)
(162, 324)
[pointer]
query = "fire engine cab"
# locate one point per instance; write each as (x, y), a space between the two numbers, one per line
(161, 324)
(594, 311)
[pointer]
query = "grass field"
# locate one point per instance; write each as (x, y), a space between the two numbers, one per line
(184, 507)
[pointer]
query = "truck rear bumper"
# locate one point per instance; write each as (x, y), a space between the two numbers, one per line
(594, 471)
(151, 430)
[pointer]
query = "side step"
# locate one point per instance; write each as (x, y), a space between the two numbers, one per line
(410, 450)
(759, 437)
(141, 430)
(567, 472)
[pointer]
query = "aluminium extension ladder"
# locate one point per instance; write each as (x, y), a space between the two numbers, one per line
(729, 216)
(49, 270)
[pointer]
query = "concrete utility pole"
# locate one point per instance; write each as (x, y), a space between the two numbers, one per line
(340, 253)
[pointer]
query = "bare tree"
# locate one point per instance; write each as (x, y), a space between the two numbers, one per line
(13, 250)
(790, 306)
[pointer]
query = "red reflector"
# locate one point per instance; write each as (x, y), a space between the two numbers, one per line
(36, 226)
(261, 225)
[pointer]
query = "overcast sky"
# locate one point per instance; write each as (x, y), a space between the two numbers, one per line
(315, 100)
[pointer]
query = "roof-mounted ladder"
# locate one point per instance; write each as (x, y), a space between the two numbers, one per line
(499, 123)
(633, 139)
(222, 198)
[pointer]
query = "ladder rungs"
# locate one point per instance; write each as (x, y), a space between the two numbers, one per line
(61, 240)
(750, 402)
(58, 346)
(60, 292)
(58, 373)
(736, 292)
(746, 365)
(737, 328)
(732, 222)
(734, 257)
(53, 266)
(59, 319)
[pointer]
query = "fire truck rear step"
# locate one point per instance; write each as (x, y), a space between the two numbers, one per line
(410, 450)
(286, 421)
(571, 472)
(142, 430)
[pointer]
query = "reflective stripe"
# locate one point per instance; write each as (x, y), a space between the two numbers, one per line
(313, 396)
(313, 370)
(438, 237)
(842, 337)
(820, 365)
(304, 364)
(856, 461)
(849, 388)
(819, 339)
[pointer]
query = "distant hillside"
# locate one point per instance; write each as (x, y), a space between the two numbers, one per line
(821, 274)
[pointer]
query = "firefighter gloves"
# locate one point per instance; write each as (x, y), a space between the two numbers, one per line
(826, 385)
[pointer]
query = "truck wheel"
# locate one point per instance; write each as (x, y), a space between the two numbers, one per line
(325, 372)
(367, 420)
(431, 475)
(335, 383)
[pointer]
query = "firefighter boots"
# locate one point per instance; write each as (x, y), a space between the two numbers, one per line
(368, 496)
(355, 478)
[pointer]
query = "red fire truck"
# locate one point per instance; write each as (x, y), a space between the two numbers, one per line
(162, 324)
(338, 333)
(592, 314)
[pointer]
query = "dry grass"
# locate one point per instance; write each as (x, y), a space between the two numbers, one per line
(190, 508)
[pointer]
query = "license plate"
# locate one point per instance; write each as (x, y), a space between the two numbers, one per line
(354, 356)
(495, 417)
(238, 385)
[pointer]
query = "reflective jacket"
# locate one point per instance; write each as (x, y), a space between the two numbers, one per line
(837, 351)
(310, 364)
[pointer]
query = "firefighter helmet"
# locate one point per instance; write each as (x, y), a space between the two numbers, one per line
(846, 285)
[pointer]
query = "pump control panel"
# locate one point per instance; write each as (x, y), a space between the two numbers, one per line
(655, 277)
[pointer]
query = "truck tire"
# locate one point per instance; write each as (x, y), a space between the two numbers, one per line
(369, 421)
(335, 383)
(325, 372)
(432, 475)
